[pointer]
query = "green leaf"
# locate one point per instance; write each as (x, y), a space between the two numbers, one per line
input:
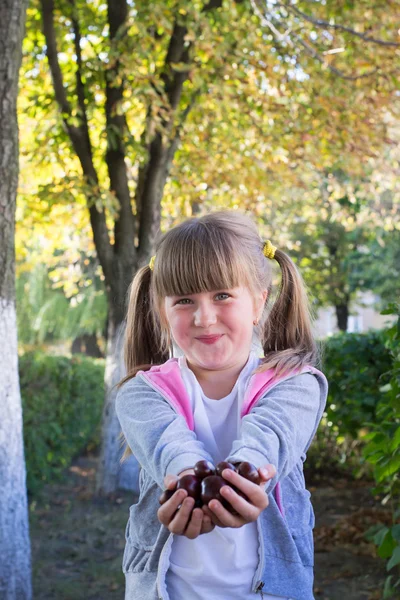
(395, 559)
(391, 466)
(387, 545)
(396, 532)
(388, 590)
(378, 536)
(396, 440)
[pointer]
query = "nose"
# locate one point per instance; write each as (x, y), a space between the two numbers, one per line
(205, 315)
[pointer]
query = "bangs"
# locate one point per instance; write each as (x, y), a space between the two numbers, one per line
(196, 258)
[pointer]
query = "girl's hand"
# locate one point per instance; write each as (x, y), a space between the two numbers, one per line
(248, 511)
(183, 521)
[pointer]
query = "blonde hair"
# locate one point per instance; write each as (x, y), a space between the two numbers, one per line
(218, 251)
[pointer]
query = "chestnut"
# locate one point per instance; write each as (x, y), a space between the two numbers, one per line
(210, 490)
(224, 465)
(191, 484)
(204, 468)
(249, 471)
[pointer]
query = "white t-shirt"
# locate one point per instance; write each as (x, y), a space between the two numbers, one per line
(219, 565)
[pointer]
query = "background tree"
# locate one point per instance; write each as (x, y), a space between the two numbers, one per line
(49, 314)
(346, 240)
(15, 567)
(146, 92)
(376, 266)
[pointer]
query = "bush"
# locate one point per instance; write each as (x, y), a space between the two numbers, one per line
(356, 365)
(383, 452)
(62, 400)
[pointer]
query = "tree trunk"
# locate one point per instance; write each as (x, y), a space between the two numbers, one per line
(15, 562)
(86, 344)
(111, 449)
(342, 316)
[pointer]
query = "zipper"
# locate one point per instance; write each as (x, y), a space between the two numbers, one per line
(259, 588)
(160, 561)
(169, 539)
(258, 573)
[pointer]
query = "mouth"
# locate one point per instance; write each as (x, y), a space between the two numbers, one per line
(209, 339)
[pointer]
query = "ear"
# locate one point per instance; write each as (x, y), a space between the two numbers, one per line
(259, 303)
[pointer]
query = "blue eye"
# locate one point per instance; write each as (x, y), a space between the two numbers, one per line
(223, 294)
(183, 301)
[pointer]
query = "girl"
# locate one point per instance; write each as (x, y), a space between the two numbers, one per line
(206, 291)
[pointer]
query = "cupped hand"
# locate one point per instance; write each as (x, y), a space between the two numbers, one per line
(247, 510)
(178, 515)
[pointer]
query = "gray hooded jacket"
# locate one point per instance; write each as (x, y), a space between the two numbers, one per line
(280, 417)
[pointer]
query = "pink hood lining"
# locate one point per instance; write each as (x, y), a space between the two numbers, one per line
(167, 380)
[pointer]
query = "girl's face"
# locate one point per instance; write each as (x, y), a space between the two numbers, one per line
(214, 329)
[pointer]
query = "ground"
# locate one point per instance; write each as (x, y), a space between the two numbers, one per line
(78, 540)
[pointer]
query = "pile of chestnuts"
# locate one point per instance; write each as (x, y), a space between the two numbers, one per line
(207, 481)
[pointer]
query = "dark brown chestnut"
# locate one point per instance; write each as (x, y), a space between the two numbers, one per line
(249, 471)
(204, 468)
(191, 484)
(166, 495)
(224, 465)
(210, 490)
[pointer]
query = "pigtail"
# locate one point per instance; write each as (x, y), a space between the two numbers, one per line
(145, 343)
(287, 339)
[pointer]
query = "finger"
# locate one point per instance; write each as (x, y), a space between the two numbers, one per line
(167, 511)
(193, 529)
(207, 524)
(213, 517)
(246, 511)
(253, 491)
(224, 516)
(266, 473)
(181, 519)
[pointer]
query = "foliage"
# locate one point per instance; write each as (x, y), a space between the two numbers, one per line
(45, 313)
(377, 266)
(356, 365)
(270, 113)
(347, 242)
(383, 452)
(260, 105)
(62, 401)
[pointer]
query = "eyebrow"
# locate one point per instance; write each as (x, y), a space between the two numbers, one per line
(217, 291)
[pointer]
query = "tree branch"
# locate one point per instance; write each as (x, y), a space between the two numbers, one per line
(124, 226)
(80, 89)
(161, 155)
(312, 52)
(52, 57)
(290, 33)
(328, 25)
(279, 36)
(79, 140)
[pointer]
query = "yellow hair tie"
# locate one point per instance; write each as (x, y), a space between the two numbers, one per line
(151, 263)
(269, 250)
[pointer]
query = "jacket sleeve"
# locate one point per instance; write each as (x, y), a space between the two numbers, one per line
(157, 435)
(280, 427)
